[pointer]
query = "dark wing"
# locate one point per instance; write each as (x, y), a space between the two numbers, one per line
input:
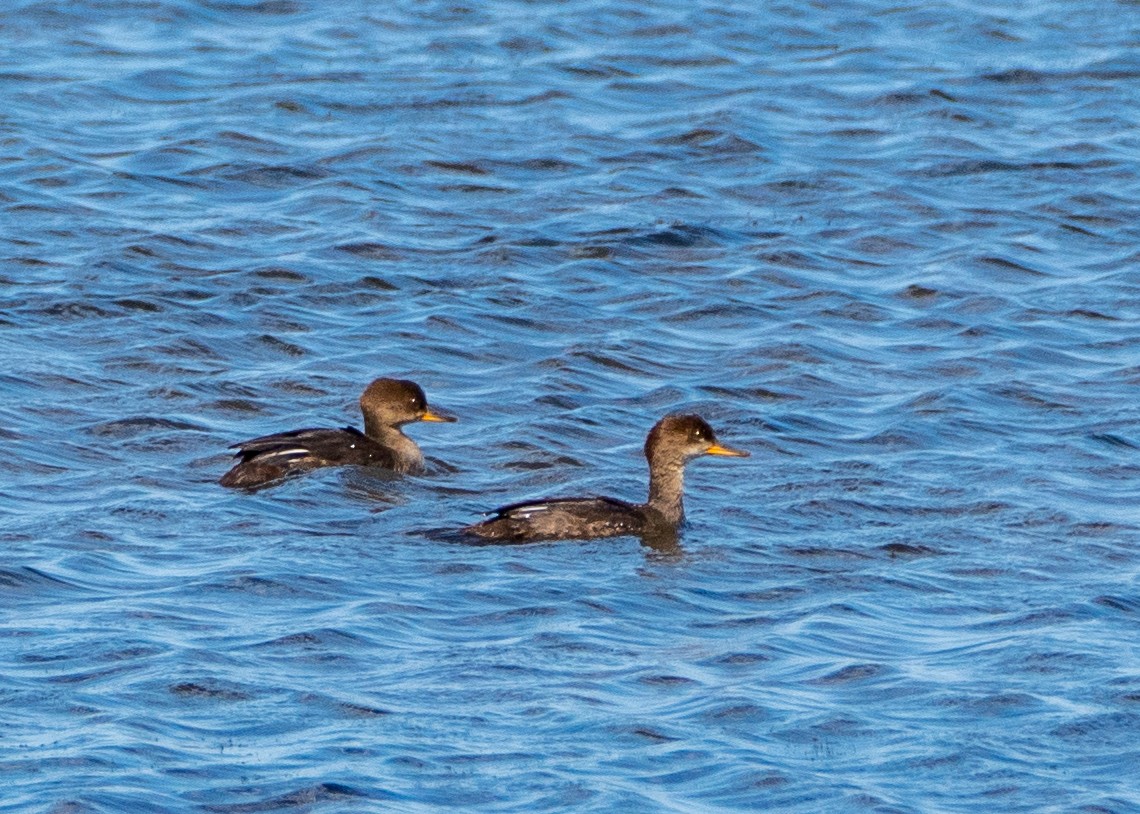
(572, 505)
(280, 440)
(326, 446)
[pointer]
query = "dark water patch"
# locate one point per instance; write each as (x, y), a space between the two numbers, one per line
(791, 259)
(281, 346)
(276, 177)
(740, 713)
(511, 616)
(758, 394)
(313, 639)
(996, 705)
(264, 587)
(1004, 264)
(547, 164)
(596, 71)
(971, 167)
(476, 189)
(651, 734)
(909, 550)
(901, 99)
(136, 425)
(76, 311)
(281, 275)
(919, 292)
(459, 167)
(139, 305)
(1035, 619)
(667, 681)
(742, 660)
(209, 692)
(235, 406)
(591, 252)
(1089, 314)
(304, 798)
(853, 673)
(351, 710)
(1105, 730)
(27, 578)
(711, 140)
(1130, 606)
(1018, 76)
(72, 807)
(372, 251)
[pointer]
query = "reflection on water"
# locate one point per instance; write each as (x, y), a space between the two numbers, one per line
(887, 249)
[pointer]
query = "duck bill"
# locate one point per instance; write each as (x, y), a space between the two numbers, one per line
(720, 449)
(437, 415)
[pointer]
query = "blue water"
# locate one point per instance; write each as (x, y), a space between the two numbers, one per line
(890, 249)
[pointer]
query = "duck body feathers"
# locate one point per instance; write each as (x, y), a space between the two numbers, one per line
(565, 519)
(273, 457)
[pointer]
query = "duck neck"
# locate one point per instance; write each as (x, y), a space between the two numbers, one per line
(667, 487)
(408, 455)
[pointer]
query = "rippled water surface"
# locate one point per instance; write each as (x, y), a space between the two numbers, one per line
(890, 249)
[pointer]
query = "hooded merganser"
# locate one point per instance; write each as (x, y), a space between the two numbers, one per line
(670, 444)
(387, 404)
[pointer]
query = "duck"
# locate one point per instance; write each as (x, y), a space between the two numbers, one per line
(673, 441)
(387, 404)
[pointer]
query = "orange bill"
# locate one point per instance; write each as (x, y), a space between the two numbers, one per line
(436, 415)
(719, 449)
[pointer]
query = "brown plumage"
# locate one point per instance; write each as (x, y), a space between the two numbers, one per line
(672, 442)
(387, 404)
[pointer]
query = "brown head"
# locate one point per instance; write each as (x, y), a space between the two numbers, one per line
(673, 441)
(681, 437)
(392, 402)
